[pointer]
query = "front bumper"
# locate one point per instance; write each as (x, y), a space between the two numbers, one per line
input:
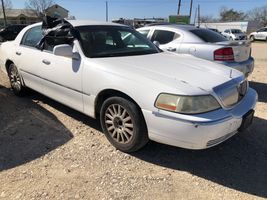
(198, 131)
(245, 67)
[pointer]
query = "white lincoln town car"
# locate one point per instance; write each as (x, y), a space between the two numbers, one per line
(112, 72)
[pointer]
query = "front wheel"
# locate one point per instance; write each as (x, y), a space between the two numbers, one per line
(123, 124)
(252, 38)
(15, 80)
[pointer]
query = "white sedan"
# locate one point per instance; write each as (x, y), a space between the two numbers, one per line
(260, 34)
(137, 91)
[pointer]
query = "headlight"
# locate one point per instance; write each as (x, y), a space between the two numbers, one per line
(187, 104)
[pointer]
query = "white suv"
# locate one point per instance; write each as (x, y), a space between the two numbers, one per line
(234, 34)
(260, 34)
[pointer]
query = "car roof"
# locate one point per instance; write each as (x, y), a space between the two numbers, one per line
(175, 26)
(77, 23)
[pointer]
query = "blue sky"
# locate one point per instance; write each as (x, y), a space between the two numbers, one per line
(95, 9)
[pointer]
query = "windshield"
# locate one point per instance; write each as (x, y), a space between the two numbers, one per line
(236, 31)
(113, 41)
(208, 35)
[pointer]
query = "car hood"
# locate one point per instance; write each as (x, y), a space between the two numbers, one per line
(170, 69)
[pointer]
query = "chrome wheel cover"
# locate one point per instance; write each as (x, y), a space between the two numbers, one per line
(119, 124)
(15, 79)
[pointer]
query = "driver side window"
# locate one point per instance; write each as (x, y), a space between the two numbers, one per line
(32, 37)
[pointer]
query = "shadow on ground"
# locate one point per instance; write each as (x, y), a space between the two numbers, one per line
(27, 131)
(239, 163)
(261, 89)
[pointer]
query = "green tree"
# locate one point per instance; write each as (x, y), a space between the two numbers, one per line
(227, 15)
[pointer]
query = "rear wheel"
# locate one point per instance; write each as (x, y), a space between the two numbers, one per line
(1, 39)
(123, 124)
(15, 80)
(252, 39)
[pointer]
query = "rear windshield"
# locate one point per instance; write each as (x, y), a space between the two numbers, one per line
(236, 31)
(208, 35)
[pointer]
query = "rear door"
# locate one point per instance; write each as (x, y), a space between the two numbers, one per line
(262, 35)
(27, 58)
(168, 40)
(258, 35)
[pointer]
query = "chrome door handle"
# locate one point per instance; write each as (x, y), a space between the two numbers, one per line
(47, 62)
(171, 49)
(18, 53)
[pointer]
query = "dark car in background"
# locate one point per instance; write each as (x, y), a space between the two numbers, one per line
(10, 32)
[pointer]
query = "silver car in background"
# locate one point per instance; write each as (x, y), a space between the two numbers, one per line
(202, 43)
(234, 34)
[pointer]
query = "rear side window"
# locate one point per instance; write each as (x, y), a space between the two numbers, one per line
(32, 37)
(208, 36)
(144, 32)
(164, 37)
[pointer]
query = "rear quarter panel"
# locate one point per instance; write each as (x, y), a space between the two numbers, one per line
(6, 49)
(200, 50)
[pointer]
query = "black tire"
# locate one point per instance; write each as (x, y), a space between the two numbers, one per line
(129, 131)
(252, 39)
(16, 81)
(1, 39)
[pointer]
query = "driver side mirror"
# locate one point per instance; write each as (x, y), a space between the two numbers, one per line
(65, 50)
(156, 43)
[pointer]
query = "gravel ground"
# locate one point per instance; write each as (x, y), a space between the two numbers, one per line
(48, 151)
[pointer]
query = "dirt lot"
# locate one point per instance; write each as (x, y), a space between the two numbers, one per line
(48, 151)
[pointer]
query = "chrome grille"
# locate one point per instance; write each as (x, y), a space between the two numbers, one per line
(230, 93)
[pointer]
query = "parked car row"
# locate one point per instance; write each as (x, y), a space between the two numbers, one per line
(237, 34)
(139, 92)
(10, 32)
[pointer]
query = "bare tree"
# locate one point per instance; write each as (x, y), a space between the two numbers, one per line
(39, 6)
(7, 3)
(258, 15)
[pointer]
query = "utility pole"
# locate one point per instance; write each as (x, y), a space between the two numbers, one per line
(4, 12)
(106, 11)
(198, 15)
(179, 7)
(191, 7)
(195, 18)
